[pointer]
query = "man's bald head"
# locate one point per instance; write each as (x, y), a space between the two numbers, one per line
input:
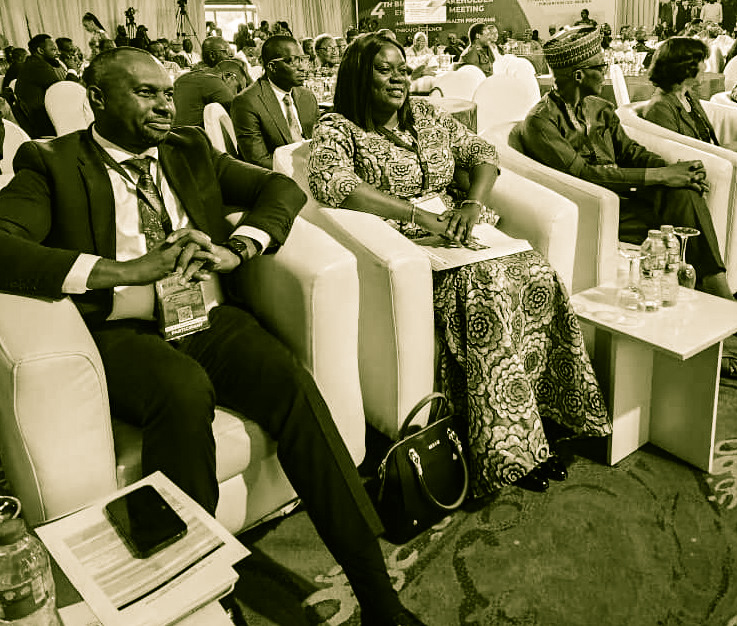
(107, 66)
(214, 50)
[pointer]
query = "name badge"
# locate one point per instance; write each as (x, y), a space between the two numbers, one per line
(431, 202)
(181, 308)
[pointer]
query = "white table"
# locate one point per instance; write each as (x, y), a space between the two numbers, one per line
(660, 371)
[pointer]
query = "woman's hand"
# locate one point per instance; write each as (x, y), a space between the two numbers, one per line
(460, 222)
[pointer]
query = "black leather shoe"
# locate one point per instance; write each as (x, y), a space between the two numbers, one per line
(554, 468)
(403, 618)
(534, 481)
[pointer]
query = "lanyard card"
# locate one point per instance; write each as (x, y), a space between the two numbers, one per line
(181, 308)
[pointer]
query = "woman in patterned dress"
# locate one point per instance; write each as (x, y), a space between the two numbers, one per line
(511, 353)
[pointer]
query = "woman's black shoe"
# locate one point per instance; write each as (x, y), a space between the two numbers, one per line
(554, 468)
(534, 481)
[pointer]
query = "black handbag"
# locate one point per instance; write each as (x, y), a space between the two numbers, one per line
(424, 475)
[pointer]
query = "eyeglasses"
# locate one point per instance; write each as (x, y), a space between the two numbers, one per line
(329, 48)
(296, 60)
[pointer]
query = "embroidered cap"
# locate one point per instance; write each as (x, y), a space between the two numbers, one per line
(572, 47)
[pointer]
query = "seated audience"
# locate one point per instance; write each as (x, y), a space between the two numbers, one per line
(676, 72)
(17, 58)
(40, 70)
(157, 49)
(276, 109)
(193, 57)
(585, 19)
(71, 56)
(121, 36)
(483, 51)
(641, 47)
(53, 244)
(454, 47)
(141, 40)
(195, 89)
(574, 130)
(379, 151)
(420, 58)
(328, 53)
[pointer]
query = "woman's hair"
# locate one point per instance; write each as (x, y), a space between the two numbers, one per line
(356, 71)
(675, 60)
(92, 18)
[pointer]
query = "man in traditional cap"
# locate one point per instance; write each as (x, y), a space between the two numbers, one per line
(573, 130)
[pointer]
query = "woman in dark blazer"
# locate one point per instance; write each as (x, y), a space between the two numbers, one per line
(676, 69)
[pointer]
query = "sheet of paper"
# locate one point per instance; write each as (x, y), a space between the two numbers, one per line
(122, 589)
(490, 243)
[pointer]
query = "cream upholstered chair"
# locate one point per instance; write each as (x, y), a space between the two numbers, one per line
(619, 85)
(396, 328)
(14, 137)
(67, 106)
(595, 251)
(60, 448)
(722, 197)
(219, 128)
(461, 83)
(503, 98)
(723, 98)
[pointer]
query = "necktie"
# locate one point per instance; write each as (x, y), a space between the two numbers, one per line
(155, 222)
(291, 120)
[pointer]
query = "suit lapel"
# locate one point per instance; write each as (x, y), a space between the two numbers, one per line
(273, 108)
(183, 182)
(302, 104)
(685, 117)
(99, 195)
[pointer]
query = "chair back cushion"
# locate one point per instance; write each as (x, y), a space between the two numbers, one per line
(14, 137)
(503, 98)
(219, 128)
(67, 106)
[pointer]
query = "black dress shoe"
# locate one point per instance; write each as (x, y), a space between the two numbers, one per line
(554, 468)
(403, 618)
(535, 480)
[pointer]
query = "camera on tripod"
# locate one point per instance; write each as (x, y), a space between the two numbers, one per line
(130, 15)
(182, 6)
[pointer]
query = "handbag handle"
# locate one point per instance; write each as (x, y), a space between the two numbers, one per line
(417, 463)
(417, 408)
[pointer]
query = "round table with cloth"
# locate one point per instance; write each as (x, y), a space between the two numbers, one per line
(511, 353)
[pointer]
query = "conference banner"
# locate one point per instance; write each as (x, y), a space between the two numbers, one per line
(439, 17)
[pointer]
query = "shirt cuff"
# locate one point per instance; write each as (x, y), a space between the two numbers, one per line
(258, 235)
(76, 279)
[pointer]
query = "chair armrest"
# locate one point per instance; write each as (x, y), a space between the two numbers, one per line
(723, 118)
(396, 332)
(56, 440)
(719, 172)
(543, 217)
(307, 295)
(596, 257)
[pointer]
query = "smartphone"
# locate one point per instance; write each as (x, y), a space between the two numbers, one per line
(145, 521)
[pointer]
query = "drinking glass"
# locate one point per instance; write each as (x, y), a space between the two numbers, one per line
(630, 297)
(686, 271)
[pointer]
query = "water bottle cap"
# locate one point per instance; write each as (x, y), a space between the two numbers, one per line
(11, 530)
(654, 233)
(667, 229)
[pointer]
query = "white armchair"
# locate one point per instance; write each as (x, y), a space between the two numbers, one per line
(595, 251)
(58, 445)
(721, 164)
(67, 106)
(396, 328)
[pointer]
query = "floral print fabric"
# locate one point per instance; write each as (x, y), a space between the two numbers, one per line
(511, 351)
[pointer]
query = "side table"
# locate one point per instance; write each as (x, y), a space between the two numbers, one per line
(659, 371)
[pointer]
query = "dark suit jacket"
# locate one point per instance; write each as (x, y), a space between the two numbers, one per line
(666, 110)
(60, 203)
(34, 78)
(260, 126)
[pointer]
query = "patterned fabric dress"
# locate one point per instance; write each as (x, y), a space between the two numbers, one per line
(511, 353)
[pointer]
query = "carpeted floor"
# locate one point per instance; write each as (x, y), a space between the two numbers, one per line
(651, 541)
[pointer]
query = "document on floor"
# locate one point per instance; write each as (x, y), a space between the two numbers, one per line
(121, 589)
(487, 242)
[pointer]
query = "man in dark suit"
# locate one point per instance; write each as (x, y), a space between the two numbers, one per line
(276, 109)
(41, 70)
(102, 214)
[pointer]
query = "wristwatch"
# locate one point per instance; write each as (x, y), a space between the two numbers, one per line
(238, 247)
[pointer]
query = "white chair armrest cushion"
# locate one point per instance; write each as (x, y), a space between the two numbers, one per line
(56, 444)
(307, 295)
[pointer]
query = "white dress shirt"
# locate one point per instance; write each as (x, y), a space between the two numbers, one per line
(136, 301)
(280, 93)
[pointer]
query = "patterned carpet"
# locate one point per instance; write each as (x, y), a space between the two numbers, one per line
(649, 542)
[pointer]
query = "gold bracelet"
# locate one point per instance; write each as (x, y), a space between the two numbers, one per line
(478, 203)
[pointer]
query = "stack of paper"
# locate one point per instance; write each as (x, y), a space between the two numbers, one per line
(123, 590)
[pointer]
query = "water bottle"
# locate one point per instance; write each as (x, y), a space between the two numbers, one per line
(27, 592)
(669, 282)
(651, 270)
